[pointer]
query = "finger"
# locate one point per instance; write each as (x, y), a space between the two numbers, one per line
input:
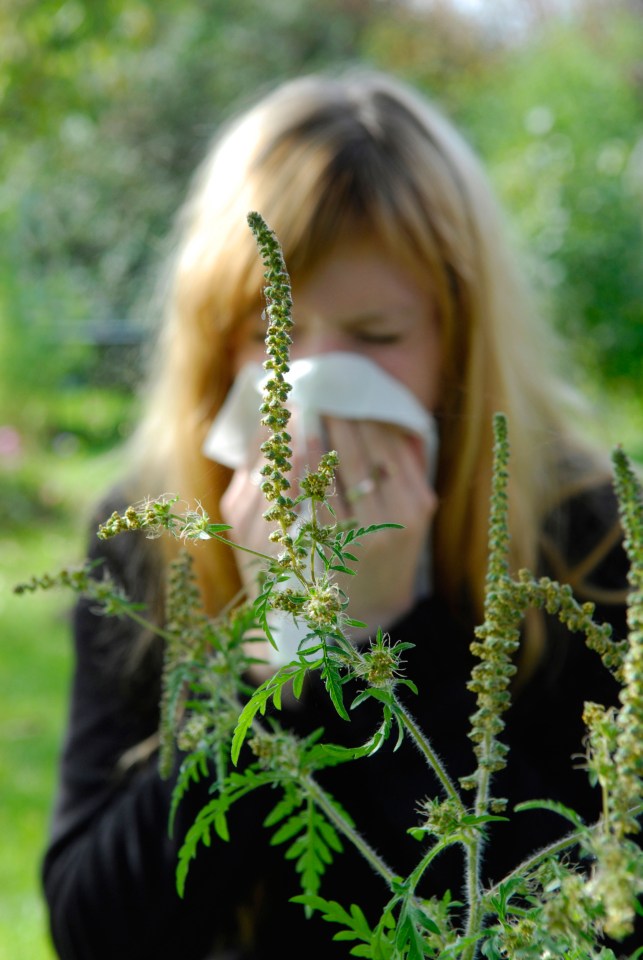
(345, 437)
(384, 476)
(399, 467)
(368, 454)
(242, 505)
(307, 448)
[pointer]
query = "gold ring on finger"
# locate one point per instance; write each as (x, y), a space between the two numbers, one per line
(361, 489)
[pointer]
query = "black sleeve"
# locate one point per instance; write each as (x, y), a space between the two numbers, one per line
(109, 870)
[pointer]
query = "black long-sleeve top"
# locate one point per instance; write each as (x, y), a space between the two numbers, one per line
(109, 871)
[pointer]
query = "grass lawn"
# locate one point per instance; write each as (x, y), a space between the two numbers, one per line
(35, 666)
(44, 501)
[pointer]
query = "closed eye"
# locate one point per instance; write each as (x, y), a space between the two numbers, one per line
(377, 338)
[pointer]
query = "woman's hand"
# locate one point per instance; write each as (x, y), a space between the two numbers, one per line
(382, 478)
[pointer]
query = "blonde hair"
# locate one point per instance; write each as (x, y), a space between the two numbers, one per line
(318, 157)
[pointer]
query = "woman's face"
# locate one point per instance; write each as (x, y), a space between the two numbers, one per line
(361, 300)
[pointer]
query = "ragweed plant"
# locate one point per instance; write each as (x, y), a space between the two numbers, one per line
(550, 905)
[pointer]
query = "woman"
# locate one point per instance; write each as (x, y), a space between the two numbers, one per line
(397, 253)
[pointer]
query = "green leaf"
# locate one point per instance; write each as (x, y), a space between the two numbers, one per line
(376, 693)
(193, 768)
(355, 924)
(554, 807)
(322, 556)
(471, 820)
(340, 568)
(214, 528)
(411, 923)
(244, 723)
(374, 527)
(288, 830)
(505, 891)
(408, 938)
(331, 910)
(489, 951)
(283, 809)
(330, 836)
(236, 786)
(339, 754)
(198, 833)
(298, 683)
(423, 921)
(261, 605)
(332, 678)
(316, 841)
(418, 833)
(455, 950)
(258, 702)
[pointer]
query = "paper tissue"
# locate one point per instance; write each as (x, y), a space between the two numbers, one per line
(333, 384)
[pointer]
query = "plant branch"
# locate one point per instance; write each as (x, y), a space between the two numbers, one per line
(424, 746)
(348, 830)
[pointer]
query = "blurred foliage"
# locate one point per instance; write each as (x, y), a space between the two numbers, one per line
(557, 114)
(107, 107)
(38, 464)
(567, 154)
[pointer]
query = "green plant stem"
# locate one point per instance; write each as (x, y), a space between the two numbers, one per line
(569, 840)
(552, 849)
(473, 847)
(313, 518)
(484, 780)
(148, 625)
(428, 859)
(238, 546)
(475, 914)
(424, 746)
(296, 568)
(332, 813)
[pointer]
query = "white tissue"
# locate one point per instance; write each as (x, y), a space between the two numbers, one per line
(333, 384)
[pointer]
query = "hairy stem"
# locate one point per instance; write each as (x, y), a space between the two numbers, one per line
(474, 893)
(428, 859)
(348, 830)
(552, 849)
(434, 762)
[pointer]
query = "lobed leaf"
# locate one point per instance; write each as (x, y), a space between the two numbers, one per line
(193, 768)
(354, 922)
(331, 675)
(316, 841)
(270, 689)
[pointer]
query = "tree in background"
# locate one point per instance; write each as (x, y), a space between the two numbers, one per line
(108, 107)
(555, 106)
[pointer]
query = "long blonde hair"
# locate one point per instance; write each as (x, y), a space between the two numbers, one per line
(317, 157)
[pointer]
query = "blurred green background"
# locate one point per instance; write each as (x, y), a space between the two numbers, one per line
(105, 108)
